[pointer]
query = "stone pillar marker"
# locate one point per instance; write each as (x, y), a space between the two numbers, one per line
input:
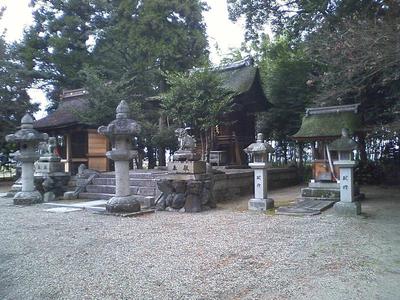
(28, 140)
(345, 146)
(258, 153)
(121, 132)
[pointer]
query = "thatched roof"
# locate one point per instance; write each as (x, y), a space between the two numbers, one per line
(65, 115)
(327, 122)
(243, 79)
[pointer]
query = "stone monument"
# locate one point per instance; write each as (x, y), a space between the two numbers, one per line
(185, 159)
(187, 187)
(121, 132)
(28, 140)
(345, 146)
(49, 172)
(258, 153)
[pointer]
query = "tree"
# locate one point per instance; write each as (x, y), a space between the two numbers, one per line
(197, 100)
(361, 60)
(14, 99)
(299, 18)
(58, 45)
(284, 71)
(144, 39)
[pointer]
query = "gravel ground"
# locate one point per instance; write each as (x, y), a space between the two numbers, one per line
(225, 253)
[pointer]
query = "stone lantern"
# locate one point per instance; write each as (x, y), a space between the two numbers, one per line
(258, 153)
(121, 132)
(28, 140)
(345, 147)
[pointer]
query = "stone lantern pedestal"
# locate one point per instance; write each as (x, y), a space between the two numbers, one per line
(347, 204)
(258, 152)
(28, 140)
(345, 146)
(121, 132)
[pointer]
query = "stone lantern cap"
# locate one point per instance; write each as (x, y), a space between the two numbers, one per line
(121, 125)
(259, 147)
(344, 143)
(27, 133)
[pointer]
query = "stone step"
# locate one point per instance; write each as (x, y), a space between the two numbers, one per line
(110, 189)
(98, 196)
(132, 182)
(139, 175)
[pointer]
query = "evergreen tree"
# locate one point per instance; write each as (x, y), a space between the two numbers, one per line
(14, 100)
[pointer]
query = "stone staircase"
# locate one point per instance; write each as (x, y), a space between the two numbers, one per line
(142, 184)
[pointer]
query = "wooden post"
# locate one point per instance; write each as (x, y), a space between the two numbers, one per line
(68, 152)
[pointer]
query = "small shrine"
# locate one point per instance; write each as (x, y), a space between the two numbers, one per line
(320, 126)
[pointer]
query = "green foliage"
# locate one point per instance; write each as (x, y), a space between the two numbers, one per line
(14, 100)
(362, 63)
(299, 17)
(165, 138)
(284, 71)
(196, 99)
(57, 46)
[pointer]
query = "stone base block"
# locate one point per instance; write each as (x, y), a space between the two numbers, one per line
(187, 167)
(327, 193)
(125, 204)
(347, 208)
(260, 204)
(70, 195)
(43, 168)
(27, 198)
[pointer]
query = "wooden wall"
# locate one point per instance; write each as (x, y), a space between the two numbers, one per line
(97, 147)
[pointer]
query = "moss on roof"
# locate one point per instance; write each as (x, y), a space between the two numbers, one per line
(239, 80)
(327, 125)
(64, 116)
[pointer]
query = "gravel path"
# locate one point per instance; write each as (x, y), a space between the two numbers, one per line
(220, 254)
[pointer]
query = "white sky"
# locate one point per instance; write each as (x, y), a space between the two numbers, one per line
(220, 30)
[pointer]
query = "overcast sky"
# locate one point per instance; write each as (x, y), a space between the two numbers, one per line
(220, 30)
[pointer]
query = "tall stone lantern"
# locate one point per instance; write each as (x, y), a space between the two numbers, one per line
(121, 132)
(345, 146)
(258, 153)
(28, 140)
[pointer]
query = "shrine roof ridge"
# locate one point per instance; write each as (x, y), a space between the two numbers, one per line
(332, 109)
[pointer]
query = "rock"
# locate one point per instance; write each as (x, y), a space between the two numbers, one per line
(168, 199)
(178, 201)
(71, 195)
(182, 210)
(165, 186)
(193, 203)
(49, 197)
(126, 204)
(179, 186)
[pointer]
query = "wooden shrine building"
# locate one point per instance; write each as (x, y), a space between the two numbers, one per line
(322, 125)
(79, 143)
(237, 128)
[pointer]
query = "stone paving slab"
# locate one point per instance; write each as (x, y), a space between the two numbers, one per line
(62, 209)
(81, 205)
(133, 214)
(305, 208)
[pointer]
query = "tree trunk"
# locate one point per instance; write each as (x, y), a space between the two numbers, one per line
(362, 148)
(300, 155)
(161, 150)
(161, 156)
(151, 157)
